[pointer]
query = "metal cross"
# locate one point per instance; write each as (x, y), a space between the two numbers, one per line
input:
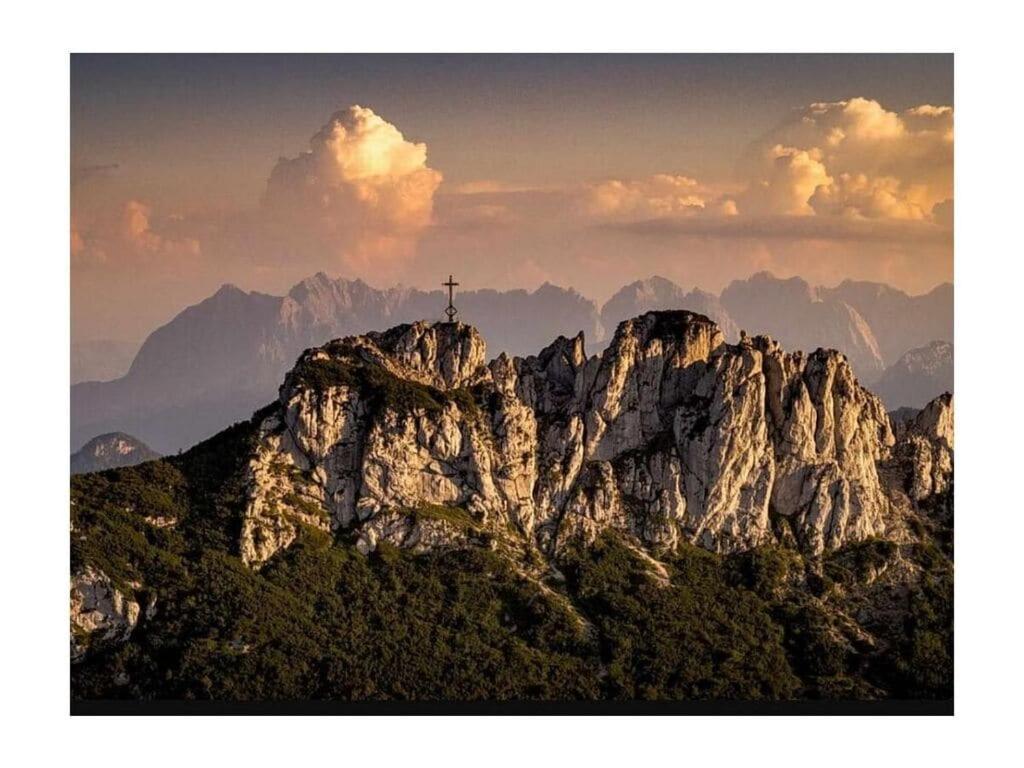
(450, 310)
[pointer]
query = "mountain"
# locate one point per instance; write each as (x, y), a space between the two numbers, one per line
(900, 322)
(219, 360)
(919, 376)
(109, 451)
(211, 365)
(676, 517)
(799, 317)
(657, 293)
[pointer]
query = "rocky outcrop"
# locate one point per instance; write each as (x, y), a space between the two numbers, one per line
(364, 427)
(109, 452)
(925, 450)
(101, 614)
(658, 294)
(670, 435)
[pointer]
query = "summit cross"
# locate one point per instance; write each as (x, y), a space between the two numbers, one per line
(450, 310)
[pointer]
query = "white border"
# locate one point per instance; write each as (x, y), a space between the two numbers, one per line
(35, 326)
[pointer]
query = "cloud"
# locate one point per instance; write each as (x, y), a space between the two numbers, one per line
(790, 178)
(832, 161)
(854, 159)
(943, 213)
(653, 197)
(794, 227)
(127, 237)
(361, 193)
(842, 189)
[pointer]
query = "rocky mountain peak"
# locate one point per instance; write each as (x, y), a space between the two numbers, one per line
(935, 421)
(658, 293)
(109, 451)
(669, 435)
(444, 355)
(924, 455)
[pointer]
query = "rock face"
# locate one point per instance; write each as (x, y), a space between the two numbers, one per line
(110, 451)
(670, 435)
(100, 613)
(918, 376)
(925, 450)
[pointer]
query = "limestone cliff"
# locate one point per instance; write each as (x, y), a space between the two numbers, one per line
(925, 450)
(100, 612)
(669, 435)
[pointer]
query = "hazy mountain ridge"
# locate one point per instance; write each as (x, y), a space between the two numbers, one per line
(659, 293)
(900, 322)
(791, 311)
(220, 359)
(919, 376)
(587, 487)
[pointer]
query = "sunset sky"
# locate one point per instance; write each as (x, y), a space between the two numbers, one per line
(508, 171)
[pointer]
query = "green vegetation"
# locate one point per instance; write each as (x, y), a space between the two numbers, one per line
(305, 506)
(381, 387)
(697, 637)
(858, 562)
(457, 516)
(766, 571)
(321, 620)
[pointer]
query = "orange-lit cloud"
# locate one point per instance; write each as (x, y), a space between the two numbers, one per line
(843, 189)
(127, 237)
(844, 159)
(855, 159)
(361, 193)
(785, 186)
(653, 197)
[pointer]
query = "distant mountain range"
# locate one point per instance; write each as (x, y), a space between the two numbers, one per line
(918, 376)
(656, 294)
(900, 322)
(111, 451)
(219, 360)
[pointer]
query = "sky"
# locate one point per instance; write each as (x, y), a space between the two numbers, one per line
(588, 171)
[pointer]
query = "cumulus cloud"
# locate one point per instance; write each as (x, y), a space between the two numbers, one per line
(854, 159)
(127, 237)
(790, 178)
(656, 196)
(361, 193)
(837, 161)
